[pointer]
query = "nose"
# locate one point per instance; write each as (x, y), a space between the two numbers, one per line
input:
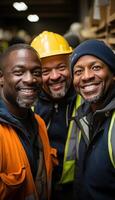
(87, 74)
(54, 74)
(28, 78)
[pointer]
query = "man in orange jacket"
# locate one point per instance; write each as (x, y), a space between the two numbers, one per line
(26, 158)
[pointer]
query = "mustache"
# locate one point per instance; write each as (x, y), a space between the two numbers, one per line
(60, 80)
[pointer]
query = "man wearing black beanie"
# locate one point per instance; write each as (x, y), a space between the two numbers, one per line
(93, 69)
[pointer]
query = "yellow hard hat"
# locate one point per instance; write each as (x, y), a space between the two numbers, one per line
(48, 44)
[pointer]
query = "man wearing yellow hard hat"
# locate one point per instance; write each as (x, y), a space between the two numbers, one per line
(57, 104)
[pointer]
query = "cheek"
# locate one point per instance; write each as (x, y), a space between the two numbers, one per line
(68, 77)
(108, 83)
(75, 82)
(68, 73)
(107, 79)
(45, 84)
(40, 81)
(44, 79)
(8, 81)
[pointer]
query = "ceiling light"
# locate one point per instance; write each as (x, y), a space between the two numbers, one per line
(20, 6)
(33, 18)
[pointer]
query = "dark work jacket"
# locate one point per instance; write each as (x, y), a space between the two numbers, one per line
(56, 115)
(95, 173)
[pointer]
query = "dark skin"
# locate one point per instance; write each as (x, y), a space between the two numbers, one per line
(56, 75)
(20, 80)
(92, 79)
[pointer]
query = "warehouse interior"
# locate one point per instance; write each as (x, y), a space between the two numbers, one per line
(85, 18)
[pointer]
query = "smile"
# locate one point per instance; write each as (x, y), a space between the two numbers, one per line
(57, 86)
(28, 91)
(90, 87)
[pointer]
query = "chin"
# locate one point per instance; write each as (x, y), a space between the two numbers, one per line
(58, 95)
(94, 99)
(24, 103)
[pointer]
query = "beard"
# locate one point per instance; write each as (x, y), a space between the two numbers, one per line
(24, 103)
(59, 94)
(95, 99)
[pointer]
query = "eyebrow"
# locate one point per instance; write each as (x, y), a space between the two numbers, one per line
(91, 63)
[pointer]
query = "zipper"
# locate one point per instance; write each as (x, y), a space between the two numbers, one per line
(56, 107)
(56, 110)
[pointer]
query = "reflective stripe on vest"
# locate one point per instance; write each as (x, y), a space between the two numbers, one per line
(70, 147)
(32, 108)
(111, 140)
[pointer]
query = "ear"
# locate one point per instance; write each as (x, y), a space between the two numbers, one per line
(114, 77)
(1, 79)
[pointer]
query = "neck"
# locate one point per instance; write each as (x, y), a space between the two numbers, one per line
(96, 106)
(13, 108)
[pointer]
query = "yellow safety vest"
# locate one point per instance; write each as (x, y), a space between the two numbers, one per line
(111, 140)
(70, 148)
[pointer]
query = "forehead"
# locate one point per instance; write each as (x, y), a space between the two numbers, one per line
(22, 53)
(21, 57)
(88, 59)
(55, 58)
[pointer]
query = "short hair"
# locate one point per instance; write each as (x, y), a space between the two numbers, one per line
(16, 40)
(12, 48)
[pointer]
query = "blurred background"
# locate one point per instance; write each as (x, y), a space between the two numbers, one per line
(22, 20)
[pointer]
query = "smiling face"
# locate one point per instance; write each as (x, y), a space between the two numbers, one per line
(92, 78)
(56, 75)
(21, 79)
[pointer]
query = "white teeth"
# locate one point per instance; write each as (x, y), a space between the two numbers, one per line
(89, 88)
(27, 90)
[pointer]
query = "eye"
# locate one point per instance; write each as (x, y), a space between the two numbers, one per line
(37, 72)
(45, 72)
(18, 72)
(61, 67)
(78, 72)
(96, 67)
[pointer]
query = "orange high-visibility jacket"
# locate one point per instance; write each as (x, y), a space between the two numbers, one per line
(16, 180)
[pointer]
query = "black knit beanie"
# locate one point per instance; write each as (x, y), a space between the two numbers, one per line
(95, 48)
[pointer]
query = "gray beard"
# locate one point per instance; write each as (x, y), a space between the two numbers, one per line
(95, 99)
(23, 104)
(58, 95)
